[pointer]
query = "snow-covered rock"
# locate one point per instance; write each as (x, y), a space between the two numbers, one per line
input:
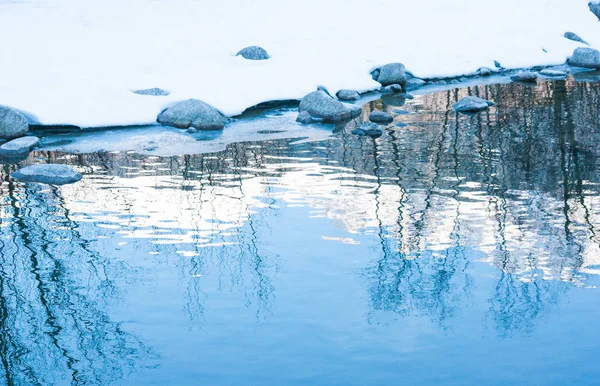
(253, 53)
(392, 73)
(319, 104)
(53, 174)
(12, 123)
(192, 113)
(471, 104)
(585, 57)
(19, 146)
(484, 71)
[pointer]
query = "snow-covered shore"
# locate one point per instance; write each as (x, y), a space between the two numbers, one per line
(76, 62)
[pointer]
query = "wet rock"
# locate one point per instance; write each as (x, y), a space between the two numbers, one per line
(381, 117)
(414, 83)
(553, 73)
(525, 76)
(484, 71)
(391, 89)
(320, 105)
(12, 123)
(576, 38)
(192, 113)
(19, 146)
(392, 73)
(348, 95)
(155, 91)
(47, 174)
(595, 8)
(253, 53)
(471, 104)
(585, 57)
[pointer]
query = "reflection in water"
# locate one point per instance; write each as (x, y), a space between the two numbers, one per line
(440, 202)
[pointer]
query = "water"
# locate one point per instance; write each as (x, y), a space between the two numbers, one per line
(454, 249)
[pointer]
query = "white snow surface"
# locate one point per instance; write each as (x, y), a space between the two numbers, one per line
(77, 61)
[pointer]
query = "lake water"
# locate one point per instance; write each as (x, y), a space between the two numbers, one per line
(454, 249)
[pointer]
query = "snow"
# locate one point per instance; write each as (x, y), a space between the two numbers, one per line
(76, 62)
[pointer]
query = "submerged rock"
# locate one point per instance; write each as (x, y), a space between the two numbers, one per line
(155, 91)
(484, 71)
(585, 57)
(47, 174)
(595, 8)
(348, 95)
(373, 130)
(553, 73)
(321, 105)
(12, 123)
(525, 76)
(392, 73)
(381, 117)
(19, 146)
(471, 104)
(253, 53)
(192, 113)
(414, 83)
(576, 38)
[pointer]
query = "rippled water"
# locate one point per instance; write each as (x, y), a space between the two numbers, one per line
(454, 249)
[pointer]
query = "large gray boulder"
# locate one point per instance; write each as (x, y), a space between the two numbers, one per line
(381, 117)
(155, 91)
(471, 104)
(192, 113)
(348, 95)
(47, 174)
(574, 37)
(595, 8)
(320, 105)
(585, 57)
(253, 53)
(12, 123)
(392, 73)
(19, 146)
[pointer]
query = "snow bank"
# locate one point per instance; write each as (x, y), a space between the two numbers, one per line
(76, 62)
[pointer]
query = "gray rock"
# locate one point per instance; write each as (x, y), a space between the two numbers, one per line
(375, 73)
(576, 38)
(471, 104)
(392, 73)
(47, 174)
(155, 91)
(498, 65)
(371, 129)
(192, 113)
(414, 83)
(553, 73)
(524, 76)
(381, 117)
(391, 89)
(12, 123)
(19, 146)
(253, 53)
(319, 104)
(348, 95)
(585, 57)
(484, 71)
(595, 8)
(305, 118)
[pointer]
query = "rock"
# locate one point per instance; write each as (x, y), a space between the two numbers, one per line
(371, 129)
(324, 89)
(553, 73)
(391, 89)
(319, 104)
(192, 113)
(19, 146)
(440, 82)
(12, 123)
(47, 174)
(392, 73)
(152, 92)
(585, 57)
(348, 95)
(524, 76)
(305, 118)
(253, 53)
(471, 104)
(375, 73)
(484, 71)
(576, 38)
(381, 117)
(498, 65)
(595, 8)
(394, 99)
(414, 83)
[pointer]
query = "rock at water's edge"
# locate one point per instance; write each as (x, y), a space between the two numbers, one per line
(585, 57)
(381, 117)
(471, 104)
(19, 146)
(553, 73)
(13, 124)
(414, 83)
(155, 91)
(392, 73)
(253, 53)
(192, 113)
(47, 174)
(348, 95)
(525, 76)
(319, 104)
(484, 71)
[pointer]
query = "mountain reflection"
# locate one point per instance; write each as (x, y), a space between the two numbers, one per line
(515, 188)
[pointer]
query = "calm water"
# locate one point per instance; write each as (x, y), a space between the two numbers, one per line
(455, 249)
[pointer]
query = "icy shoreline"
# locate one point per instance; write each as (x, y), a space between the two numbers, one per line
(77, 63)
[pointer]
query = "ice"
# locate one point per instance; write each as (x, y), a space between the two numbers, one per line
(76, 62)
